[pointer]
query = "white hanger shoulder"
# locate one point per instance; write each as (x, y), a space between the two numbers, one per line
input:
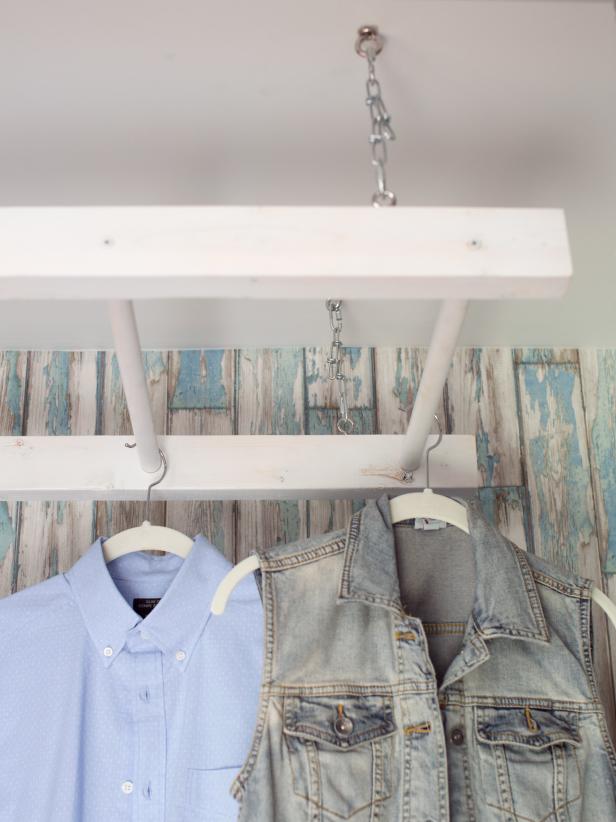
(428, 505)
(230, 581)
(147, 537)
(606, 604)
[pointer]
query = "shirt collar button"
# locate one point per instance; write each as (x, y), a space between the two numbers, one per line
(107, 650)
(180, 656)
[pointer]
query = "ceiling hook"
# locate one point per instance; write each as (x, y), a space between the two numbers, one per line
(369, 42)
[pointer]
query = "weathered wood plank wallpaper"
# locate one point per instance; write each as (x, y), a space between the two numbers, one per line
(545, 422)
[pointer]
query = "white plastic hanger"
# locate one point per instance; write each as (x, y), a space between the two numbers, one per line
(415, 505)
(427, 504)
(148, 537)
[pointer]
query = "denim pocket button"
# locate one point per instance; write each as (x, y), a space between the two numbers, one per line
(457, 736)
(343, 726)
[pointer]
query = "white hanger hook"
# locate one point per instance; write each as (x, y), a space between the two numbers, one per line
(431, 448)
(165, 465)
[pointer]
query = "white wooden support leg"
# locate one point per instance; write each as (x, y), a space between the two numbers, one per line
(130, 360)
(442, 346)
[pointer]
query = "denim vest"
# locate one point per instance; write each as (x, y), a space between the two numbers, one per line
(372, 714)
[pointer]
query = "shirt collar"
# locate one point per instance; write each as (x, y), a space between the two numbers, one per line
(506, 599)
(174, 625)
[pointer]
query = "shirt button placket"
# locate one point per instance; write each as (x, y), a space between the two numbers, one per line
(151, 744)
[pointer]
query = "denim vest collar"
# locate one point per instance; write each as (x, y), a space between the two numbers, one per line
(506, 601)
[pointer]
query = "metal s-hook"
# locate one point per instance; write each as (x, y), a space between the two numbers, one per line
(165, 464)
(431, 448)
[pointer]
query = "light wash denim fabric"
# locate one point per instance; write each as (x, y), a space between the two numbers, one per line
(425, 676)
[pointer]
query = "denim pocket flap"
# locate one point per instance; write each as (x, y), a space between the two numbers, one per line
(341, 721)
(528, 726)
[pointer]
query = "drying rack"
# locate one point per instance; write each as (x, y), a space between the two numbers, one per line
(121, 254)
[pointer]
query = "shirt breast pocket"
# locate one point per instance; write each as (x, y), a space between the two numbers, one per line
(340, 752)
(528, 761)
(207, 791)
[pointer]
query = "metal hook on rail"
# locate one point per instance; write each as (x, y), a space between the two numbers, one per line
(165, 464)
(431, 448)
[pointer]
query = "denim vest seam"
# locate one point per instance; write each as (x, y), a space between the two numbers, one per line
(238, 786)
(309, 555)
(532, 593)
(568, 589)
(490, 701)
(352, 541)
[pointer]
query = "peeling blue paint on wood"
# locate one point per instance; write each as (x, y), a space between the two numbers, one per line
(486, 461)
(290, 521)
(57, 374)
(287, 369)
(14, 392)
(200, 380)
(553, 450)
(404, 389)
(7, 532)
(155, 365)
(603, 438)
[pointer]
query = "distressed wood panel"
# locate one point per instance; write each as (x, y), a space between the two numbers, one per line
(322, 410)
(598, 371)
(201, 400)
(559, 484)
(62, 399)
(270, 400)
(13, 367)
(397, 375)
(545, 355)
(113, 418)
(481, 400)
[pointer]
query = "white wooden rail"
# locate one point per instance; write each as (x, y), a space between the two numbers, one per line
(124, 253)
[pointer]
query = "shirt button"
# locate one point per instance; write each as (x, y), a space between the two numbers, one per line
(127, 787)
(180, 655)
(107, 650)
(457, 736)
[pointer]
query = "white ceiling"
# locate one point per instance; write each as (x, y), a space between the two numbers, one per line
(494, 103)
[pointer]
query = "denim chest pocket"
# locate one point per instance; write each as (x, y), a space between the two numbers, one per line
(340, 753)
(207, 794)
(528, 761)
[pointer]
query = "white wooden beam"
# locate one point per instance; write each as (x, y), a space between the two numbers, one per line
(288, 252)
(130, 361)
(226, 467)
(430, 392)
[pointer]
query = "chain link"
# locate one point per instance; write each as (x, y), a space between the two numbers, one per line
(335, 365)
(381, 132)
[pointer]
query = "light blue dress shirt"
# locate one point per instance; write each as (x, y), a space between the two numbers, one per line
(106, 716)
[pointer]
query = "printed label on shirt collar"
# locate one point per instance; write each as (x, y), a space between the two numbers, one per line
(144, 605)
(426, 524)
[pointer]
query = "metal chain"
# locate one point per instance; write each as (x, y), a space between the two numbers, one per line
(381, 132)
(335, 364)
(369, 43)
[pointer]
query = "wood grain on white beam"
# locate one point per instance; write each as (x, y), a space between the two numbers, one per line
(225, 467)
(282, 252)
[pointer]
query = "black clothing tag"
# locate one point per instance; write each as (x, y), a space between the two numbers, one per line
(145, 605)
